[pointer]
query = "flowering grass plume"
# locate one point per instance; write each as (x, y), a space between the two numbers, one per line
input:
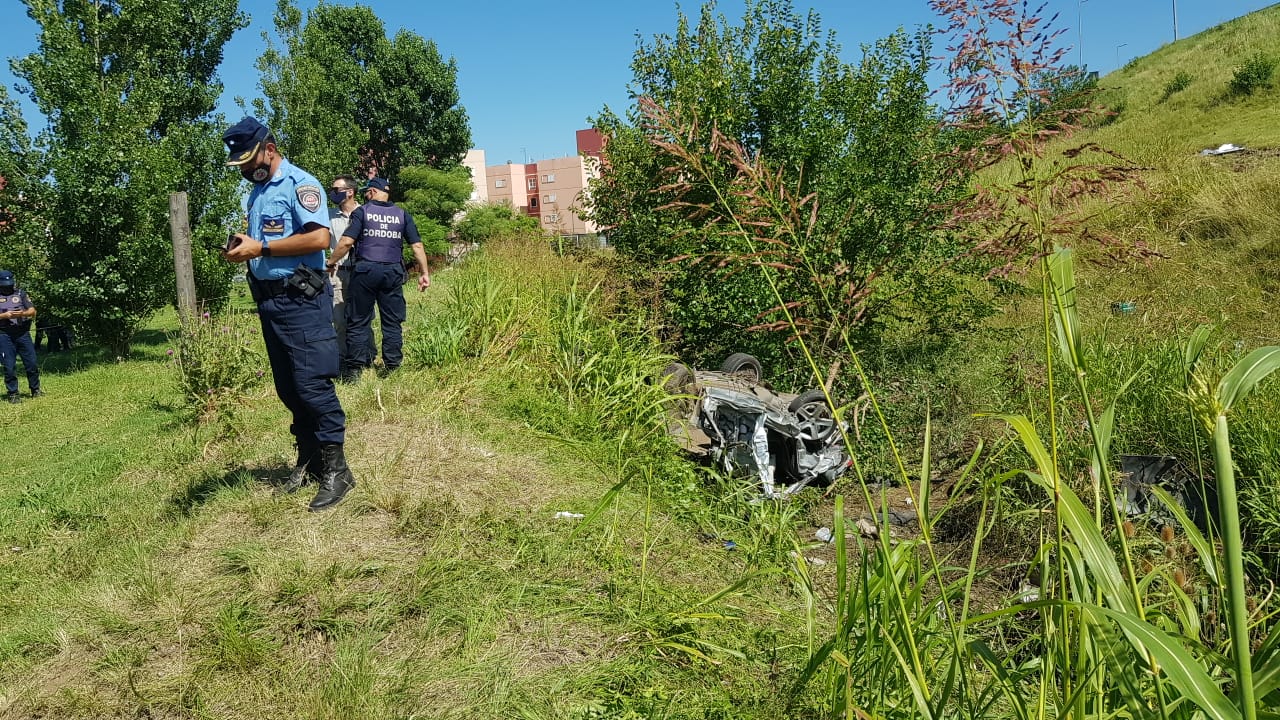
(1036, 189)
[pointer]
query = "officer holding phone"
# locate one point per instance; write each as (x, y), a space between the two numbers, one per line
(288, 232)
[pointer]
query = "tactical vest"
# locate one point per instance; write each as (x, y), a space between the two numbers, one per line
(382, 234)
(9, 303)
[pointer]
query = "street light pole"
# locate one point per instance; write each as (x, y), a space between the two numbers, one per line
(1175, 20)
(1080, 33)
(1118, 53)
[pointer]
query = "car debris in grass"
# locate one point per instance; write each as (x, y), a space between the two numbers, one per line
(733, 418)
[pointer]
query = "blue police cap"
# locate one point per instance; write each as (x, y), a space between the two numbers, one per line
(6, 278)
(243, 140)
(377, 184)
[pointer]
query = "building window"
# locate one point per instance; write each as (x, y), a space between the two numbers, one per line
(552, 217)
(500, 183)
(533, 183)
(533, 202)
(549, 198)
(549, 178)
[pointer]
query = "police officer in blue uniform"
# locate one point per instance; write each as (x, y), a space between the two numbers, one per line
(288, 232)
(16, 313)
(377, 232)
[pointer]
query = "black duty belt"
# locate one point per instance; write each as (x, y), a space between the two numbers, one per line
(267, 289)
(305, 281)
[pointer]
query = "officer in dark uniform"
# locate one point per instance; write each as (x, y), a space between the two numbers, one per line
(288, 232)
(16, 313)
(377, 232)
(59, 335)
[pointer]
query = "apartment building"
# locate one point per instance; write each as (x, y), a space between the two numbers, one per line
(474, 161)
(550, 190)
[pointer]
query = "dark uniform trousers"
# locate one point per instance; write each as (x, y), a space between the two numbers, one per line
(14, 344)
(380, 284)
(303, 349)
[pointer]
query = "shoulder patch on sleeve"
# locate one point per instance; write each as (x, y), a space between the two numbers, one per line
(310, 197)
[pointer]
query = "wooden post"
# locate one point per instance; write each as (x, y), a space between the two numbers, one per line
(180, 232)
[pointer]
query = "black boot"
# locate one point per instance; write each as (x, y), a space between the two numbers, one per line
(307, 469)
(336, 479)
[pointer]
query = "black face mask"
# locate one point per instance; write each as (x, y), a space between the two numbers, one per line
(337, 197)
(257, 173)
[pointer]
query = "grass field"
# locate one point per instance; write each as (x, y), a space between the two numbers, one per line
(150, 570)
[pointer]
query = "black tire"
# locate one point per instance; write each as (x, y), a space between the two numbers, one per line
(743, 366)
(817, 422)
(677, 378)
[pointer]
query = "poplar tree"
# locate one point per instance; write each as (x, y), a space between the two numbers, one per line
(127, 88)
(342, 98)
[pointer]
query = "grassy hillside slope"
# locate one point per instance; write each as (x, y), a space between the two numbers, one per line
(1217, 219)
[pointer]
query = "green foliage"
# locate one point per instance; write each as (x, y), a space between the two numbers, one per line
(1179, 82)
(435, 239)
(516, 301)
(21, 167)
(844, 179)
(127, 90)
(486, 222)
(434, 197)
(1064, 92)
(218, 361)
(1255, 74)
(344, 99)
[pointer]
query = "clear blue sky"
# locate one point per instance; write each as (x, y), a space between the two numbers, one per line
(511, 56)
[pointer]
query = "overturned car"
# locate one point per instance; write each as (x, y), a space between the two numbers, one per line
(735, 419)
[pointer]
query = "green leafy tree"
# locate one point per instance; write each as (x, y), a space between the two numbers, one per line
(485, 222)
(434, 198)
(342, 97)
(21, 177)
(833, 165)
(127, 89)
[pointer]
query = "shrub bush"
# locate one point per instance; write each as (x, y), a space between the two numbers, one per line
(218, 361)
(1253, 75)
(1180, 82)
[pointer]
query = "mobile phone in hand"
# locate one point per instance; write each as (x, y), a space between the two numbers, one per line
(232, 242)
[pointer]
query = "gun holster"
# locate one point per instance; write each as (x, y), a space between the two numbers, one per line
(308, 281)
(305, 281)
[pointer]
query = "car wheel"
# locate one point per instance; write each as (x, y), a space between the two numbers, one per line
(817, 422)
(743, 366)
(677, 378)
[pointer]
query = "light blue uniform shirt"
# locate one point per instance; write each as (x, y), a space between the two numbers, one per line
(281, 207)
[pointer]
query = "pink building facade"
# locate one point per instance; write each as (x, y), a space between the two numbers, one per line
(553, 191)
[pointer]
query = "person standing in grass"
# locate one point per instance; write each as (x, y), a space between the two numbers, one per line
(16, 313)
(378, 232)
(342, 195)
(287, 234)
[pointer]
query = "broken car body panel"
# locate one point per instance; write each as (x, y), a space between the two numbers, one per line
(785, 441)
